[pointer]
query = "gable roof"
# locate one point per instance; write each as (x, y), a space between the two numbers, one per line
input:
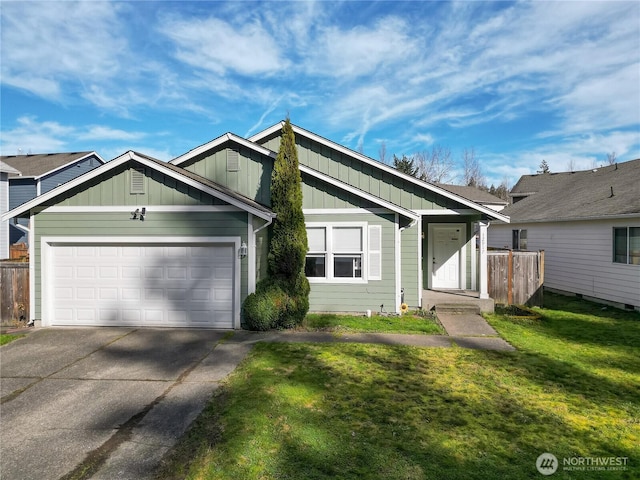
(381, 166)
(474, 194)
(230, 137)
(165, 168)
(6, 168)
(604, 192)
(42, 164)
(221, 140)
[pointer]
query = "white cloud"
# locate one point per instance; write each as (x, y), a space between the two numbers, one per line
(45, 44)
(217, 46)
(31, 135)
(361, 50)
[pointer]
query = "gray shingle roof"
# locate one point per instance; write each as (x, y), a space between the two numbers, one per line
(472, 193)
(603, 192)
(41, 163)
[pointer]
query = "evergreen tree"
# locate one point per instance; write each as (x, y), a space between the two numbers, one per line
(289, 236)
(544, 167)
(281, 299)
(405, 165)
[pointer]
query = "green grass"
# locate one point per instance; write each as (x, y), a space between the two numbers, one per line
(410, 324)
(5, 338)
(352, 411)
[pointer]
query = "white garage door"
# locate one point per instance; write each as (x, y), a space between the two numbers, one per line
(157, 285)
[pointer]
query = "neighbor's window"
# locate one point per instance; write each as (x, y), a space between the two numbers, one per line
(626, 245)
(519, 239)
(335, 252)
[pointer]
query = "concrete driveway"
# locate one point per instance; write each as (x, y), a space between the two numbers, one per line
(111, 400)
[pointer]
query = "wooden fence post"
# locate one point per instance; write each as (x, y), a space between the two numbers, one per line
(510, 278)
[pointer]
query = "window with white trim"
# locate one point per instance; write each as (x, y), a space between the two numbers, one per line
(338, 252)
(316, 261)
(626, 245)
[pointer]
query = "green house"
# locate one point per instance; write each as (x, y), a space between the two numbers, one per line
(142, 242)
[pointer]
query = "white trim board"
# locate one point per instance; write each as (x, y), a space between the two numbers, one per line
(129, 208)
(345, 211)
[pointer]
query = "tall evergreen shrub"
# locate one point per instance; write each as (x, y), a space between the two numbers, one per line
(282, 299)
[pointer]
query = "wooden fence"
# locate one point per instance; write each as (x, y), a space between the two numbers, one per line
(14, 293)
(516, 278)
(19, 252)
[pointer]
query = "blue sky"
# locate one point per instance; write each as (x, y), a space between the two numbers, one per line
(517, 81)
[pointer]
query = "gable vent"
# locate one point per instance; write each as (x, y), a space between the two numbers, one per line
(233, 161)
(137, 180)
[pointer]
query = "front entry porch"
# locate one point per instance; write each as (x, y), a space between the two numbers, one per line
(434, 298)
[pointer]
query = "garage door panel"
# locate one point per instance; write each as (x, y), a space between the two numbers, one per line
(169, 285)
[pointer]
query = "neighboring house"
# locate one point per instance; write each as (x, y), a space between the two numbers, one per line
(476, 195)
(138, 241)
(39, 173)
(5, 171)
(588, 224)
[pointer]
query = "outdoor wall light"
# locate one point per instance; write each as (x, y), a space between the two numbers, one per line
(242, 252)
(139, 214)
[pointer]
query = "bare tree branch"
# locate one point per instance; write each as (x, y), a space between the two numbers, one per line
(435, 165)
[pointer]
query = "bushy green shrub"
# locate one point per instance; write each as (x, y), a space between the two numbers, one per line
(264, 309)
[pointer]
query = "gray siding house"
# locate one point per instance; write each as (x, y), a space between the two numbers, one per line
(5, 171)
(142, 242)
(588, 224)
(38, 174)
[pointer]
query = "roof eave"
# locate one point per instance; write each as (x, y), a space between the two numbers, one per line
(427, 186)
(25, 207)
(221, 140)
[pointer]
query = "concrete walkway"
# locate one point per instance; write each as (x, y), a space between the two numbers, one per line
(466, 325)
(472, 342)
(113, 401)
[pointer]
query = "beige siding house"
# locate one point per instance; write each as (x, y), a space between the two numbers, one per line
(588, 224)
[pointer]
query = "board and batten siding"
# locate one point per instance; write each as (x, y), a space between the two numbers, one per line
(579, 257)
(157, 224)
(410, 263)
(251, 178)
(114, 188)
(359, 297)
(366, 177)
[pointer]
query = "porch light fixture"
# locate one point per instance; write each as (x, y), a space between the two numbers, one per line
(139, 214)
(242, 251)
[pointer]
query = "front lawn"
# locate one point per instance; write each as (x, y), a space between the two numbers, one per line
(353, 411)
(6, 338)
(408, 323)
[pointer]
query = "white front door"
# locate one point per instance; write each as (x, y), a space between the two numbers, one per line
(446, 244)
